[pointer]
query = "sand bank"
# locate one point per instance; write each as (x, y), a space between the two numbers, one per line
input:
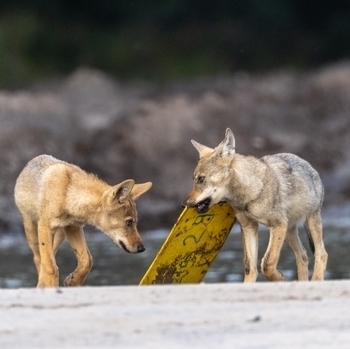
(261, 315)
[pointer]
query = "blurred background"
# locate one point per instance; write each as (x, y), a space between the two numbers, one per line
(162, 40)
(121, 87)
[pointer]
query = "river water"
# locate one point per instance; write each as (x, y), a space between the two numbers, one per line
(112, 266)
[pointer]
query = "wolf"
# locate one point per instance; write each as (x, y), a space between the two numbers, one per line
(278, 191)
(56, 199)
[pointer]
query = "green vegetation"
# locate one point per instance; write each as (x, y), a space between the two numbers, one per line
(167, 39)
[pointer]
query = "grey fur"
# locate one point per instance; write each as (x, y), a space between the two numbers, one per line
(278, 191)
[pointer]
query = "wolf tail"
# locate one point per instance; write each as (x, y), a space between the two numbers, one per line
(311, 241)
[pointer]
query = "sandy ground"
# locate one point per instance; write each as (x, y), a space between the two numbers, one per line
(261, 315)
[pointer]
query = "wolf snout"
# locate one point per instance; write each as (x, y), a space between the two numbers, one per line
(202, 206)
(189, 203)
(138, 249)
(185, 203)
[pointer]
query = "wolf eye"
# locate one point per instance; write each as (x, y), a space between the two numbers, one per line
(200, 179)
(129, 222)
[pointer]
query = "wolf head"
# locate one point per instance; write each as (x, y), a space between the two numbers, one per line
(212, 174)
(119, 215)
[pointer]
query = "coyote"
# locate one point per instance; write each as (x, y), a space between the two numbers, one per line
(56, 199)
(277, 191)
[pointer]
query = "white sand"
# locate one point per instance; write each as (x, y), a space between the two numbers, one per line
(261, 315)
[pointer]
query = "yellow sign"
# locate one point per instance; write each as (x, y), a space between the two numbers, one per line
(191, 246)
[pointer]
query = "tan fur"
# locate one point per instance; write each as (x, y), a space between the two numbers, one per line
(56, 199)
(278, 191)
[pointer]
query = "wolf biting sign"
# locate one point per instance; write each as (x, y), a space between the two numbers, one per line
(56, 199)
(278, 191)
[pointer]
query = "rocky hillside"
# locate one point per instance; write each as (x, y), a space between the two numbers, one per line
(143, 131)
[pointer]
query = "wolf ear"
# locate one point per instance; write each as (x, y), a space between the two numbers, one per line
(120, 191)
(202, 149)
(227, 146)
(139, 189)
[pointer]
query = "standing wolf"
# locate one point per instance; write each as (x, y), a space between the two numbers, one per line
(56, 199)
(277, 190)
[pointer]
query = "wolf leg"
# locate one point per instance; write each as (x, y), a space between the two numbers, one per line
(75, 236)
(271, 257)
(314, 224)
(249, 233)
(31, 231)
(299, 251)
(58, 239)
(48, 276)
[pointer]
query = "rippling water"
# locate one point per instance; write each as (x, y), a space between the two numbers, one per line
(112, 266)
